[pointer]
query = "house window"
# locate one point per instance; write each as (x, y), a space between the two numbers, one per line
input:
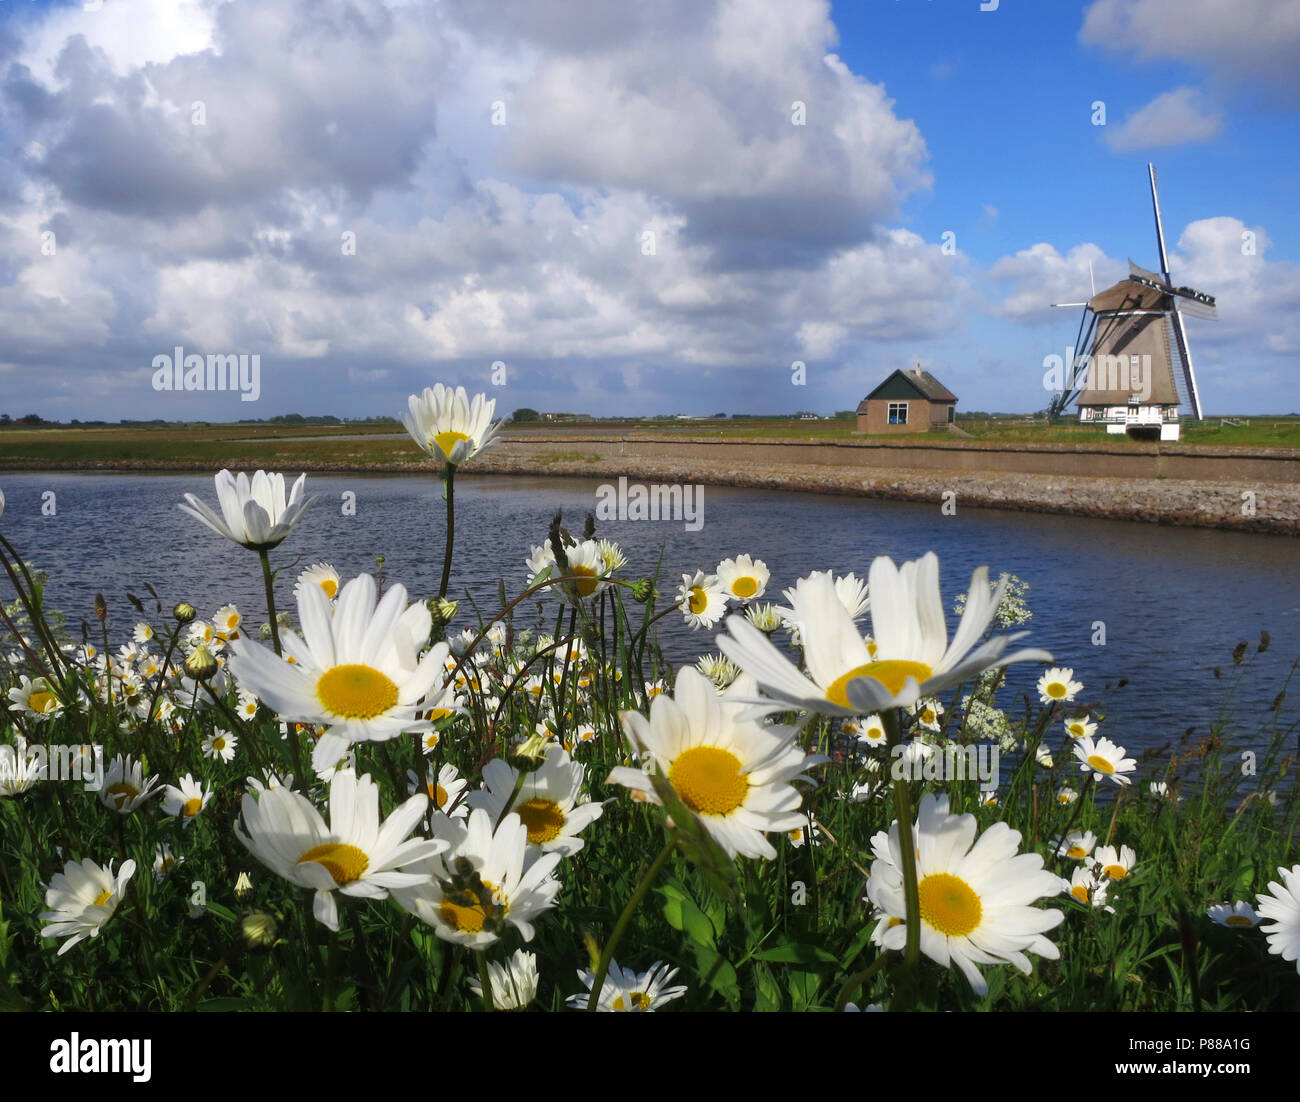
(898, 413)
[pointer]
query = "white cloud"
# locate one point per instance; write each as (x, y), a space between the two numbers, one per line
(1040, 276)
(1182, 116)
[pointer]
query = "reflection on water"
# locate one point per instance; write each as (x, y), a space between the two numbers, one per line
(1173, 601)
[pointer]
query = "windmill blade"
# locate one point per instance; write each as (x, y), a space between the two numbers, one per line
(1185, 361)
(1160, 226)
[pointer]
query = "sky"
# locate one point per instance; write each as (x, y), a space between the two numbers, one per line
(671, 207)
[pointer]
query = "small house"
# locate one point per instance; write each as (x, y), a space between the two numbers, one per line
(910, 400)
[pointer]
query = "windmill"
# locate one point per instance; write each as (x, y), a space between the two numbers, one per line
(1137, 374)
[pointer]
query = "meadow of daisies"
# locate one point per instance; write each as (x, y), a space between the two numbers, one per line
(388, 794)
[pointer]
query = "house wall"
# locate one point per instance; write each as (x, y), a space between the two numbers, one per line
(919, 415)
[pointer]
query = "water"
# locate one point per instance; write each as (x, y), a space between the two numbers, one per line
(1173, 601)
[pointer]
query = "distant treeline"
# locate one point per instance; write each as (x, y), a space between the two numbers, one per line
(36, 420)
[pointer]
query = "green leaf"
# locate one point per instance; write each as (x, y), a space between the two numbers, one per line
(227, 1002)
(223, 913)
(697, 845)
(716, 971)
(797, 953)
(683, 914)
(767, 993)
(803, 988)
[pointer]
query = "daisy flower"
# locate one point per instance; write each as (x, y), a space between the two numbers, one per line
(164, 861)
(142, 632)
(1080, 727)
(19, 771)
(731, 772)
(185, 801)
(913, 658)
(1104, 760)
(254, 514)
(483, 882)
(803, 834)
(976, 896)
(1087, 889)
(82, 898)
(35, 699)
(1066, 796)
(743, 578)
(722, 671)
(322, 576)
(125, 787)
(448, 425)
(1115, 864)
(549, 802)
(871, 730)
(767, 618)
(1233, 914)
(220, 744)
(1077, 845)
(355, 854)
(927, 713)
(702, 599)
(445, 792)
(354, 669)
(1160, 790)
(624, 991)
(1281, 906)
(1058, 684)
(513, 982)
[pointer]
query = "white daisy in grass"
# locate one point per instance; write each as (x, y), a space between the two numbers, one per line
(322, 576)
(125, 786)
(1280, 905)
(1104, 760)
(1080, 727)
(1076, 845)
(733, 773)
(802, 835)
(1115, 864)
(550, 801)
(165, 862)
(247, 705)
(1088, 889)
(1058, 684)
(220, 744)
(1240, 915)
(356, 668)
(928, 713)
(976, 896)
(613, 556)
(702, 599)
(539, 559)
(588, 564)
(269, 782)
(626, 991)
(34, 699)
(82, 898)
(483, 883)
(1043, 756)
(226, 620)
(1160, 790)
(142, 633)
(871, 730)
(913, 658)
(722, 671)
(449, 425)
(355, 854)
(254, 513)
(444, 791)
(185, 801)
(513, 982)
(1066, 795)
(19, 770)
(743, 577)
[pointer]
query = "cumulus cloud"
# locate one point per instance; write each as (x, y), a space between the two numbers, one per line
(1040, 276)
(1182, 116)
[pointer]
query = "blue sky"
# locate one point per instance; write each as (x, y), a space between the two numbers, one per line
(617, 204)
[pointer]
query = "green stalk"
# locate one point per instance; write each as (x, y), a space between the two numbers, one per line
(449, 481)
(270, 599)
(903, 810)
(485, 981)
(607, 954)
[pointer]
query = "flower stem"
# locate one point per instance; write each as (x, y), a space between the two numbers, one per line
(903, 809)
(485, 981)
(607, 954)
(270, 599)
(449, 481)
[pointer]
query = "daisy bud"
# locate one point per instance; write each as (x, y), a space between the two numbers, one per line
(201, 664)
(529, 754)
(442, 610)
(259, 929)
(243, 887)
(184, 612)
(642, 590)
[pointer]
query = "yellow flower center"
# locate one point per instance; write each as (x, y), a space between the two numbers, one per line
(191, 807)
(744, 587)
(466, 919)
(1077, 851)
(875, 733)
(122, 793)
(892, 673)
(543, 819)
(1062, 798)
(639, 1000)
(437, 794)
(1115, 872)
(949, 904)
(330, 586)
(1075, 729)
(928, 716)
(101, 900)
(447, 441)
(590, 579)
(436, 714)
(218, 743)
(1056, 689)
(356, 692)
(709, 780)
(42, 701)
(1102, 765)
(1080, 892)
(1238, 920)
(431, 740)
(699, 600)
(343, 862)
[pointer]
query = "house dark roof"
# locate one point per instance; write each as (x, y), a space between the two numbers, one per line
(911, 384)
